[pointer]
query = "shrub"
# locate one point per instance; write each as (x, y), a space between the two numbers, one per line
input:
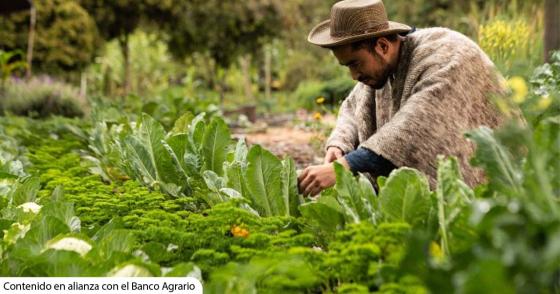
(507, 43)
(65, 39)
(334, 91)
(41, 97)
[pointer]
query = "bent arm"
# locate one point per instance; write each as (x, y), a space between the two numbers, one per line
(345, 133)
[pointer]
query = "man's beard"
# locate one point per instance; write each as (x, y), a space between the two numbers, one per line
(379, 79)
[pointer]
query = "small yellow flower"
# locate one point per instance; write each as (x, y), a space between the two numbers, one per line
(436, 252)
(238, 231)
(320, 100)
(317, 116)
(519, 88)
(544, 102)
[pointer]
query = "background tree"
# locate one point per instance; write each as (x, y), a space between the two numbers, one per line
(66, 37)
(222, 31)
(119, 19)
(551, 27)
(116, 20)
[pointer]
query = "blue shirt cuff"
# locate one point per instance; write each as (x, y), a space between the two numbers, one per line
(365, 160)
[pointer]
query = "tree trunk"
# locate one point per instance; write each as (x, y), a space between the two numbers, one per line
(551, 27)
(216, 79)
(267, 74)
(123, 40)
(30, 41)
(107, 82)
(245, 62)
(83, 85)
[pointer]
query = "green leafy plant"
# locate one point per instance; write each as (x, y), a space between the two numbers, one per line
(404, 197)
(8, 66)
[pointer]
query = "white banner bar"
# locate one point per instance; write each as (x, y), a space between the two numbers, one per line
(115, 285)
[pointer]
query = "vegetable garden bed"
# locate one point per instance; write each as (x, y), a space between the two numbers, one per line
(122, 196)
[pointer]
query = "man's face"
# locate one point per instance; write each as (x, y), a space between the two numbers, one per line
(365, 66)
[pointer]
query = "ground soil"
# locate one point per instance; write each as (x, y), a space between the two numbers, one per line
(286, 138)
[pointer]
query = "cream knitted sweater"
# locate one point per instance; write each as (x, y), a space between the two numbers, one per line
(442, 88)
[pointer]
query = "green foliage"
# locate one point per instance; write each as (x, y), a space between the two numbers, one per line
(334, 91)
(215, 143)
(224, 29)
(356, 197)
(545, 99)
(152, 68)
(453, 197)
(275, 275)
(506, 42)
(509, 229)
(406, 197)
(325, 213)
(265, 189)
(65, 38)
(8, 66)
(41, 97)
(47, 239)
(238, 226)
(146, 158)
(268, 183)
(195, 159)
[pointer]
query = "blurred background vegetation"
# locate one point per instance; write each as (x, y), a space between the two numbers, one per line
(234, 53)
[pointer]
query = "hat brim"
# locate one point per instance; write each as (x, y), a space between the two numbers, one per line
(321, 34)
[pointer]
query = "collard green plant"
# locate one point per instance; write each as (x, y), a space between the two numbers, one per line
(215, 143)
(325, 213)
(148, 160)
(263, 183)
(268, 183)
(356, 196)
(196, 157)
(406, 197)
(529, 178)
(453, 198)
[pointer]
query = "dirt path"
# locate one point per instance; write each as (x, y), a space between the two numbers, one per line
(286, 135)
(288, 141)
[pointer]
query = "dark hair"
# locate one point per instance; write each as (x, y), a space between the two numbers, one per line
(370, 43)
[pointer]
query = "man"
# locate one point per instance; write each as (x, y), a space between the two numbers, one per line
(417, 93)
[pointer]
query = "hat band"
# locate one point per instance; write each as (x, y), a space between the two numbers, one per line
(373, 29)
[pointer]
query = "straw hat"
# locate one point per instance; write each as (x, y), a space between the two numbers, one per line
(354, 20)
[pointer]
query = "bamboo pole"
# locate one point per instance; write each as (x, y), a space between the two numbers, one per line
(551, 27)
(31, 40)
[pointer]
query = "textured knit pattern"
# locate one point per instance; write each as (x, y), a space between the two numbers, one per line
(442, 88)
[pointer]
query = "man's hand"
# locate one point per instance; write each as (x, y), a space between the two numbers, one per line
(317, 178)
(333, 153)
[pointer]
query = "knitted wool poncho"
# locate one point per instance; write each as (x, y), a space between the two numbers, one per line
(442, 88)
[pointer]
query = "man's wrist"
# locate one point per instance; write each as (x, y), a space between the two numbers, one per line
(344, 163)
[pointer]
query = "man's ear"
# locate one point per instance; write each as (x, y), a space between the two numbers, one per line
(382, 47)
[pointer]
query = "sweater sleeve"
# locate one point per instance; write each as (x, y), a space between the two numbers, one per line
(345, 134)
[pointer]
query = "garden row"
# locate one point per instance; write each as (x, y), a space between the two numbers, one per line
(120, 195)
